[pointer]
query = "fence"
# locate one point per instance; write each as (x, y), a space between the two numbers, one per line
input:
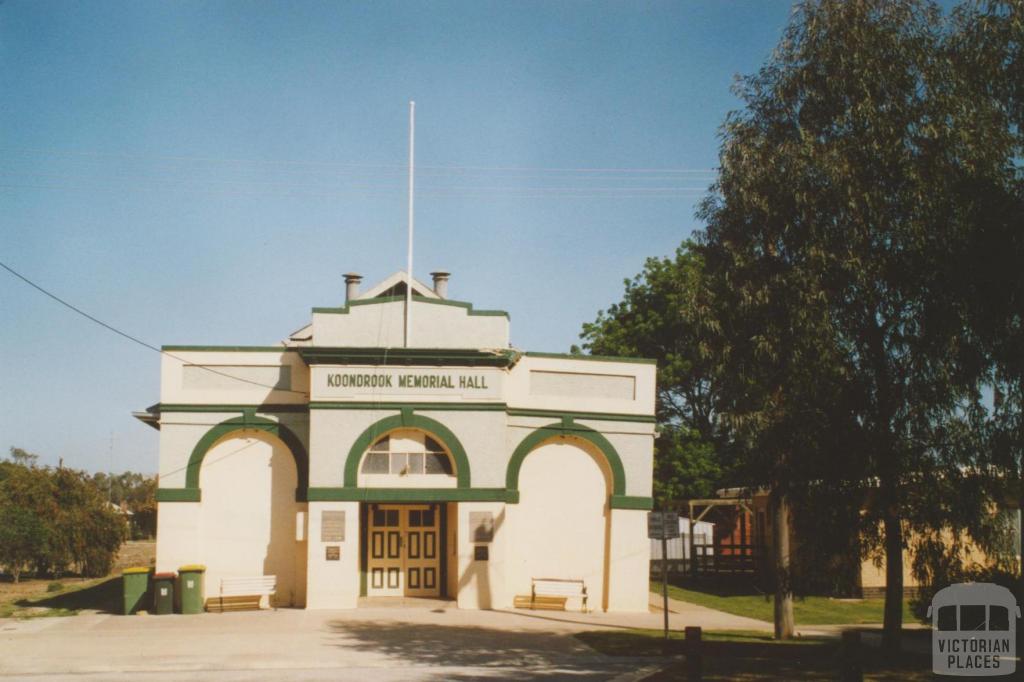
(709, 560)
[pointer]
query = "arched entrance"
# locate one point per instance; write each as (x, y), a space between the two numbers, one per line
(405, 543)
(248, 514)
(562, 521)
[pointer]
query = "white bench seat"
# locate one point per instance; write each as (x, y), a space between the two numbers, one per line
(552, 594)
(238, 594)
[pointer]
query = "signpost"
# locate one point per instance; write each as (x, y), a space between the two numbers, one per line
(662, 526)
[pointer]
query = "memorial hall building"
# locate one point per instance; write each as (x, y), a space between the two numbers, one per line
(361, 458)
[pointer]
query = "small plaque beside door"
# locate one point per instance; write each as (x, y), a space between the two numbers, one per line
(332, 526)
(333, 552)
(481, 526)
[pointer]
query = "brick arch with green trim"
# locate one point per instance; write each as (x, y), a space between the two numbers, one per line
(566, 429)
(250, 421)
(407, 420)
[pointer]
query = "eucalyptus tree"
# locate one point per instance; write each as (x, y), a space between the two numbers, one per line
(840, 213)
(987, 49)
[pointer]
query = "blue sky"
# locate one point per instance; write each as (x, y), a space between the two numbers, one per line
(203, 173)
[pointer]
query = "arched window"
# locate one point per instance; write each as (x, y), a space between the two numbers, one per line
(407, 453)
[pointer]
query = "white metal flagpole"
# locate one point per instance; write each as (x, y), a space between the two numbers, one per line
(408, 269)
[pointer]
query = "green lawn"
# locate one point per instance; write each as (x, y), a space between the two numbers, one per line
(64, 599)
(731, 655)
(806, 610)
(638, 642)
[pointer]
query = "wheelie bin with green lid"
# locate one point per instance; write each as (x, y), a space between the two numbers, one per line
(190, 586)
(135, 583)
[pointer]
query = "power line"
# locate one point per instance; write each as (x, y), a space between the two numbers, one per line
(372, 186)
(542, 169)
(428, 173)
(581, 193)
(341, 164)
(133, 339)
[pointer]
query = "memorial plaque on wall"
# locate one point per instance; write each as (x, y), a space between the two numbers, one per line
(332, 526)
(481, 525)
(333, 553)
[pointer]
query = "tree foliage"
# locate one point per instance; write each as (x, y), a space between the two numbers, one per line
(55, 520)
(861, 188)
(658, 319)
(137, 494)
(21, 534)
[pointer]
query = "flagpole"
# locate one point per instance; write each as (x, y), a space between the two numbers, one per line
(408, 269)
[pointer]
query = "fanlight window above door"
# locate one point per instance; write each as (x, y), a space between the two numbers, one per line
(407, 453)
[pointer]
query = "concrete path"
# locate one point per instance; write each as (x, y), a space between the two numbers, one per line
(711, 619)
(707, 618)
(428, 640)
(414, 643)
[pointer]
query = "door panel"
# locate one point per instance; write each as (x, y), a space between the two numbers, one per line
(403, 558)
(385, 555)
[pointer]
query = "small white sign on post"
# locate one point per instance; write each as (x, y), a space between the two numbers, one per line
(662, 525)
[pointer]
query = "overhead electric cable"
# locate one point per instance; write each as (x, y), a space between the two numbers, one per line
(581, 193)
(143, 181)
(133, 339)
(310, 162)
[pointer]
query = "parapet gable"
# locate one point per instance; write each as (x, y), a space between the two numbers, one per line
(435, 323)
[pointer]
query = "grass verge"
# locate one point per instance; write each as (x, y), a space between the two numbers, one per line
(752, 655)
(806, 610)
(102, 594)
(652, 643)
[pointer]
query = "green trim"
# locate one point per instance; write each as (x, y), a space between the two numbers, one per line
(449, 407)
(232, 349)
(344, 310)
(364, 528)
(267, 408)
(596, 358)
(407, 419)
(630, 502)
(294, 408)
(352, 494)
(249, 420)
(482, 407)
(563, 429)
(443, 511)
(447, 495)
(177, 495)
(606, 416)
(461, 357)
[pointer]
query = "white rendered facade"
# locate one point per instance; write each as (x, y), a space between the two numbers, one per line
(349, 466)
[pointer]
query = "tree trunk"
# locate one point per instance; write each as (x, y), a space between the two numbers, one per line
(892, 629)
(1020, 549)
(783, 584)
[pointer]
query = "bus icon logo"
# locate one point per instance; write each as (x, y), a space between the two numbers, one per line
(974, 628)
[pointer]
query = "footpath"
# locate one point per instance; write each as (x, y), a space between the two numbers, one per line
(421, 640)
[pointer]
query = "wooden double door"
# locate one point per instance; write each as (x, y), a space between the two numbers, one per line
(404, 550)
